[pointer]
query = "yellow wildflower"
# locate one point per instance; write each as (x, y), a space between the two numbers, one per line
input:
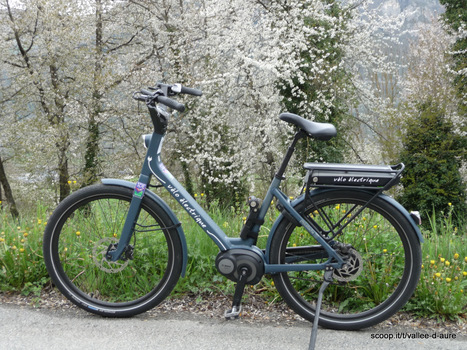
(21, 250)
(448, 279)
(447, 263)
(78, 233)
(442, 260)
(464, 273)
(456, 256)
(437, 274)
(26, 234)
(385, 250)
(432, 262)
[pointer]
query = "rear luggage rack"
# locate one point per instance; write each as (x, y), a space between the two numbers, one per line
(353, 175)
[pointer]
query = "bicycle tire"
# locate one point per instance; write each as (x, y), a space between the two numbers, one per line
(381, 276)
(77, 237)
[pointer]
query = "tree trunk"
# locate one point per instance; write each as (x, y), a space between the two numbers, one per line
(8, 193)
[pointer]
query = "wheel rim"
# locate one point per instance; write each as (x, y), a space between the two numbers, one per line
(381, 264)
(85, 230)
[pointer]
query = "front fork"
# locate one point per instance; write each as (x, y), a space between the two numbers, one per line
(116, 251)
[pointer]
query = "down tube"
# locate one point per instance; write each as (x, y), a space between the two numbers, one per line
(188, 203)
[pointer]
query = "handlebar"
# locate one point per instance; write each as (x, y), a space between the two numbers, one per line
(159, 93)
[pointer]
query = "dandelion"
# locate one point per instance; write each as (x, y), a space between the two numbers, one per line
(375, 227)
(294, 245)
(19, 228)
(25, 234)
(74, 182)
(338, 207)
(13, 247)
(464, 273)
(385, 250)
(450, 204)
(78, 233)
(447, 263)
(196, 195)
(291, 197)
(226, 224)
(272, 283)
(21, 250)
(2, 239)
(437, 274)
(22, 240)
(115, 235)
(432, 262)
(202, 194)
(465, 259)
(69, 182)
(442, 260)
(448, 279)
(456, 256)
(39, 221)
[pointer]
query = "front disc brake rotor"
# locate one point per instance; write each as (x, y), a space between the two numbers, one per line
(100, 251)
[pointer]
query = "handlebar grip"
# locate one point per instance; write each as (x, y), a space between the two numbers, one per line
(170, 103)
(191, 91)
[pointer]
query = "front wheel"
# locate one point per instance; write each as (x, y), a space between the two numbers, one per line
(383, 260)
(76, 240)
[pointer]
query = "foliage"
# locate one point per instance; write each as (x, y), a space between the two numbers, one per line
(442, 290)
(444, 253)
(432, 154)
(21, 263)
(456, 17)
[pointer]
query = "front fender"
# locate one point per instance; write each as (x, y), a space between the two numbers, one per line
(164, 206)
(301, 198)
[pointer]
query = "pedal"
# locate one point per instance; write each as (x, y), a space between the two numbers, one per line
(236, 310)
(234, 313)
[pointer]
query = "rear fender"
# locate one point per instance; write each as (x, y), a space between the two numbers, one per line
(165, 207)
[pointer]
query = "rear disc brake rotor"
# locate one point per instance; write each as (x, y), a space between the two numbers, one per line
(352, 269)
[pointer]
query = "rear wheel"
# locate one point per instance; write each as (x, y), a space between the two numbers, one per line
(76, 240)
(383, 261)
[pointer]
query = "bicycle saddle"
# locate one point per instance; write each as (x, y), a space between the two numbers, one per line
(319, 131)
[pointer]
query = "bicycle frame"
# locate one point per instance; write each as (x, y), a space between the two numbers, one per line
(153, 166)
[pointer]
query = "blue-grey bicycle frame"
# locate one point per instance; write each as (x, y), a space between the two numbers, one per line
(153, 166)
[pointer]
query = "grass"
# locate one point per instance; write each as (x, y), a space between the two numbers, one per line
(441, 293)
(442, 290)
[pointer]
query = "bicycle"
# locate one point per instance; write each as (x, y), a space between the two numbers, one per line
(116, 248)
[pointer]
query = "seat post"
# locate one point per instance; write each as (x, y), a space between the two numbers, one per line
(280, 174)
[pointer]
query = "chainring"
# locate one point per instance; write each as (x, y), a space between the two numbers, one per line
(99, 253)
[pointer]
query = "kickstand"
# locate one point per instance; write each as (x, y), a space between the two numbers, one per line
(314, 331)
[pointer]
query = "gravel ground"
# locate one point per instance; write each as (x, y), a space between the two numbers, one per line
(255, 310)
